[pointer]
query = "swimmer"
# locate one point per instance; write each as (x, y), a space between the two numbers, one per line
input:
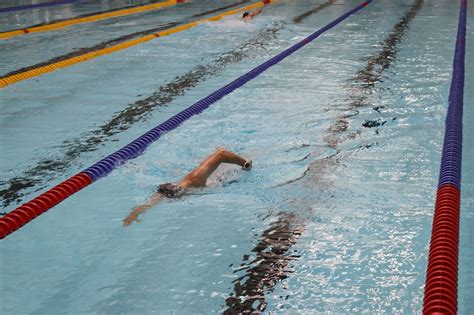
(251, 15)
(197, 178)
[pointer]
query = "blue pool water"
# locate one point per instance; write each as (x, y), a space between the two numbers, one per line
(345, 169)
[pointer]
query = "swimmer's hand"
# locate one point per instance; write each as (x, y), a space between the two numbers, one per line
(129, 220)
(133, 216)
(247, 165)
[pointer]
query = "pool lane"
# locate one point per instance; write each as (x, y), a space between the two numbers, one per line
(21, 52)
(110, 43)
(88, 18)
(38, 5)
(28, 211)
(367, 79)
(59, 61)
(27, 18)
(73, 59)
(39, 175)
(274, 249)
(316, 9)
(46, 169)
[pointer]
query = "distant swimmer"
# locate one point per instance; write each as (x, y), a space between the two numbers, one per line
(197, 178)
(251, 15)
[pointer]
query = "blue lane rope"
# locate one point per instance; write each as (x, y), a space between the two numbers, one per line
(136, 147)
(37, 5)
(441, 284)
(450, 170)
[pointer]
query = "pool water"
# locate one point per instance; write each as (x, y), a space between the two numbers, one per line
(345, 137)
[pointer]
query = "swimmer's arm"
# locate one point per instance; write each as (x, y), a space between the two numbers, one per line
(232, 158)
(133, 216)
(256, 12)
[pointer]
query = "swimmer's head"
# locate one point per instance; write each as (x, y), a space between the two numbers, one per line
(171, 190)
(245, 15)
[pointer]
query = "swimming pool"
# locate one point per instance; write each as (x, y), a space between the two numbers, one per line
(346, 159)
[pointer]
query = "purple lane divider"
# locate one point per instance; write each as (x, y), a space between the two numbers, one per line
(440, 295)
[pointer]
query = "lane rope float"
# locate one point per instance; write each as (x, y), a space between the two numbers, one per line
(441, 293)
(14, 78)
(28, 211)
(38, 5)
(87, 19)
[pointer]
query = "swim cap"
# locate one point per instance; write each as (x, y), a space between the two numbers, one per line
(171, 190)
